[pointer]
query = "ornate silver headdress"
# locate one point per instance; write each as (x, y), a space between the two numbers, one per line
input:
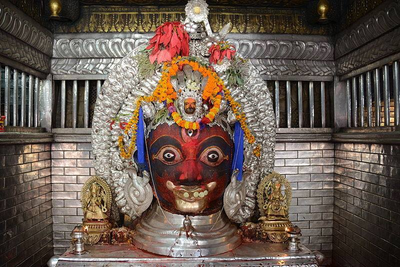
(124, 86)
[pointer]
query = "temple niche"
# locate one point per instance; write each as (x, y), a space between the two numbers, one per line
(182, 133)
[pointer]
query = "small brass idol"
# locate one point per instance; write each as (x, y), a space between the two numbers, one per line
(274, 195)
(96, 204)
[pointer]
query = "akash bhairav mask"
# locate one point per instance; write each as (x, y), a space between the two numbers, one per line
(189, 114)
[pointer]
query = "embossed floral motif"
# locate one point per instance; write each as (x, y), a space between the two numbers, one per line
(197, 11)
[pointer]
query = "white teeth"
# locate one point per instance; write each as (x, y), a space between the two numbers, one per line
(170, 185)
(211, 186)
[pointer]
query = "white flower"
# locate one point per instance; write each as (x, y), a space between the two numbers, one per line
(197, 10)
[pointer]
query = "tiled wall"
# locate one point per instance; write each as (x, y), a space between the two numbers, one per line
(25, 205)
(72, 165)
(367, 205)
(308, 166)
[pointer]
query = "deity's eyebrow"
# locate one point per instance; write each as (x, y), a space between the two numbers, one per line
(213, 140)
(165, 140)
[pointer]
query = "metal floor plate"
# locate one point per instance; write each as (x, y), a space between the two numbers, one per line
(247, 254)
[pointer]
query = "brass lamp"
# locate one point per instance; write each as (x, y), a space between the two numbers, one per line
(323, 8)
(62, 10)
(55, 9)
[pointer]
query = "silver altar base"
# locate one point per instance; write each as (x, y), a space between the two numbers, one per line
(169, 234)
(247, 254)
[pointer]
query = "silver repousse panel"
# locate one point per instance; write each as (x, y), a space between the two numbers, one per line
(18, 51)
(19, 25)
(290, 55)
(253, 46)
(384, 46)
(380, 21)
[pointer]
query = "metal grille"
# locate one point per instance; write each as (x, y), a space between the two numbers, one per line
(373, 97)
(298, 104)
(301, 104)
(19, 97)
(75, 101)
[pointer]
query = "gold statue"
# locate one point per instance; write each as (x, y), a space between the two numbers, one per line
(274, 195)
(96, 204)
(275, 207)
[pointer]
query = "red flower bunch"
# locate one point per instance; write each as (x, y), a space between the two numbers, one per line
(170, 40)
(221, 50)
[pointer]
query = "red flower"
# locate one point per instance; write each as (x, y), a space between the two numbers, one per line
(205, 120)
(170, 40)
(220, 51)
(122, 125)
(111, 124)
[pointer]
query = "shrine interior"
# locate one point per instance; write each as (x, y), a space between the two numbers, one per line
(331, 68)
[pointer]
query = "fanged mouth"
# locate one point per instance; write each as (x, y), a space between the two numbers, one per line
(191, 193)
(191, 198)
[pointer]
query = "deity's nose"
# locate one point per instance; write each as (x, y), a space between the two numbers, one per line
(189, 172)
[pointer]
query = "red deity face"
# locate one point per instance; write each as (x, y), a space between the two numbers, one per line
(191, 168)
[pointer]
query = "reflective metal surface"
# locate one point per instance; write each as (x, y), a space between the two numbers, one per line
(348, 99)
(312, 109)
(396, 89)
(288, 104)
(165, 233)
(15, 97)
(354, 101)
(323, 108)
(36, 118)
(362, 98)
(23, 101)
(247, 254)
(7, 82)
(86, 105)
(369, 98)
(277, 109)
(30, 101)
(74, 103)
(45, 103)
(98, 87)
(63, 102)
(365, 41)
(377, 97)
(386, 95)
(300, 102)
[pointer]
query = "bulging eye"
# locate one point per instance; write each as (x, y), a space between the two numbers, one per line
(212, 156)
(169, 155)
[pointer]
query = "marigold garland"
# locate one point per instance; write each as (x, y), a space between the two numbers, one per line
(132, 125)
(242, 119)
(165, 92)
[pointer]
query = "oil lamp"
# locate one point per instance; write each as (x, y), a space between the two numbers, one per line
(323, 8)
(55, 8)
(77, 240)
(293, 234)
